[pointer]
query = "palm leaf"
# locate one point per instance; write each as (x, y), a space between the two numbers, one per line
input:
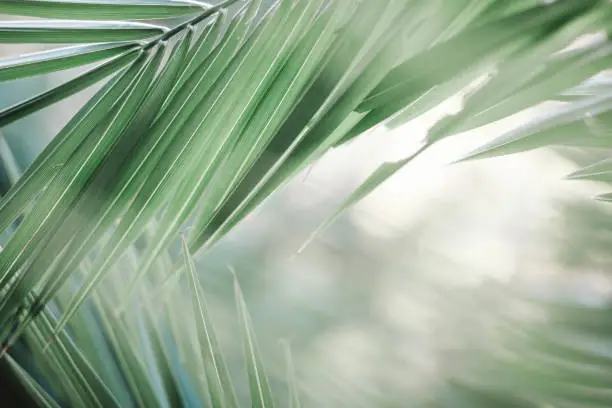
(58, 59)
(42, 397)
(62, 32)
(219, 384)
(294, 393)
(65, 90)
(101, 9)
(261, 395)
(239, 109)
(204, 120)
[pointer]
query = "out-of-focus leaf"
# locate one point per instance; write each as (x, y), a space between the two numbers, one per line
(261, 395)
(294, 392)
(607, 197)
(379, 176)
(430, 77)
(583, 124)
(428, 69)
(600, 171)
(75, 361)
(38, 393)
(217, 377)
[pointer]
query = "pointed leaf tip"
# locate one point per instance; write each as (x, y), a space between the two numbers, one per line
(261, 394)
(599, 171)
(607, 197)
(294, 393)
(219, 383)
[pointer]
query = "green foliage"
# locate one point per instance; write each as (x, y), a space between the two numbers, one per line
(197, 123)
(141, 347)
(102, 9)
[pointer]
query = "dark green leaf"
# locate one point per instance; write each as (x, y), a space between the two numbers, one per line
(38, 392)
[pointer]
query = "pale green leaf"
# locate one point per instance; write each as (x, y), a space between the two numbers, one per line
(59, 59)
(69, 354)
(62, 32)
(161, 157)
(66, 186)
(379, 176)
(228, 131)
(81, 82)
(219, 383)
(261, 395)
(607, 197)
(48, 163)
(101, 9)
(583, 124)
(294, 392)
(90, 233)
(600, 171)
(271, 113)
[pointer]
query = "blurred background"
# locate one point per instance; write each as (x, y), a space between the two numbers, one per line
(419, 289)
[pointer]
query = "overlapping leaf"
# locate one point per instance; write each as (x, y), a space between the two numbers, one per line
(261, 394)
(239, 109)
(182, 153)
(220, 388)
(66, 89)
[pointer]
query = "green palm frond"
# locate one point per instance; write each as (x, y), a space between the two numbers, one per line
(107, 360)
(562, 359)
(199, 122)
(545, 66)
(219, 384)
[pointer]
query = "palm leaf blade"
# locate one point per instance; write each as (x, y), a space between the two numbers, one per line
(159, 153)
(219, 384)
(42, 100)
(230, 129)
(91, 231)
(101, 9)
(32, 385)
(261, 395)
(63, 145)
(60, 59)
(63, 32)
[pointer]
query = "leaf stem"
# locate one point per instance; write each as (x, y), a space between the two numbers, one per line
(179, 28)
